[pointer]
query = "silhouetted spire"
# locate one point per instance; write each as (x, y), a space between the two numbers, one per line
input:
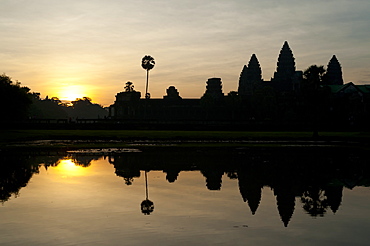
(252, 194)
(334, 196)
(254, 69)
(286, 65)
(250, 76)
(285, 203)
(250, 189)
(243, 82)
(334, 75)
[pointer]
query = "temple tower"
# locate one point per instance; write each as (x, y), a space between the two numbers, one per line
(334, 75)
(250, 77)
(172, 94)
(214, 89)
(286, 65)
(285, 78)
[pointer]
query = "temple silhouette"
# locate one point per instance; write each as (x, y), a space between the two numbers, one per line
(286, 100)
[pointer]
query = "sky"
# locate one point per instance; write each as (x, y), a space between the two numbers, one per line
(71, 49)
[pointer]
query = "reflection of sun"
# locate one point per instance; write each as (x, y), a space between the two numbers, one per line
(68, 168)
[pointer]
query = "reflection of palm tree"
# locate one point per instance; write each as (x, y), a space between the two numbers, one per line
(147, 63)
(315, 201)
(147, 206)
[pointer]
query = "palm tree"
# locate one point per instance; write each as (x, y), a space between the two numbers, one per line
(147, 63)
(129, 86)
(313, 77)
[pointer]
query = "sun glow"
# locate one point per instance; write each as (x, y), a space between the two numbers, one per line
(71, 92)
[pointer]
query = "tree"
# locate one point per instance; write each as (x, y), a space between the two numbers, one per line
(49, 108)
(85, 109)
(14, 98)
(129, 86)
(56, 100)
(314, 76)
(147, 63)
(312, 79)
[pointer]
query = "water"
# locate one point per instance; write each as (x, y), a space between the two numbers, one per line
(204, 196)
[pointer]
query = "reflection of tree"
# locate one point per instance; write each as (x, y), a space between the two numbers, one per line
(314, 201)
(84, 160)
(125, 168)
(232, 175)
(47, 161)
(147, 206)
(15, 173)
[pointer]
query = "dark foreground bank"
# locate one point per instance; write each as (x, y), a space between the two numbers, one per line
(117, 138)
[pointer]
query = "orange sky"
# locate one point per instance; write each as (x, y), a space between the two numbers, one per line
(92, 48)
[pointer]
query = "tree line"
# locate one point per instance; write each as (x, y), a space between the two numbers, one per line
(19, 103)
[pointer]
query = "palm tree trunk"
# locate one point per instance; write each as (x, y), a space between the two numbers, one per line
(147, 83)
(146, 187)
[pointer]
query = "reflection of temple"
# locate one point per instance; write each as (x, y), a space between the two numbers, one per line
(213, 178)
(316, 184)
(311, 182)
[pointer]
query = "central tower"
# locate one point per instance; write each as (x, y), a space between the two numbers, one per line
(286, 77)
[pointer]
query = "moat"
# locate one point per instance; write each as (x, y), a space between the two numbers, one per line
(291, 195)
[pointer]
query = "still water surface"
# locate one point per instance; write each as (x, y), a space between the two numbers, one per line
(200, 197)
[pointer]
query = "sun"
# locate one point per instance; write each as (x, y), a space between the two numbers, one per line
(71, 92)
